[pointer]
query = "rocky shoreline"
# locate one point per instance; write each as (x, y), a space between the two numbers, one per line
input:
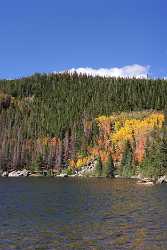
(86, 171)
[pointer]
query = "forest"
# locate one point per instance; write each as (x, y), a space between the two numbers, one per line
(62, 121)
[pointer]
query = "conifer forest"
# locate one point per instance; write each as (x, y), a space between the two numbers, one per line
(62, 121)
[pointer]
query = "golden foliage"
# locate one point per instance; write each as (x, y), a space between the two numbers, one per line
(79, 162)
(135, 127)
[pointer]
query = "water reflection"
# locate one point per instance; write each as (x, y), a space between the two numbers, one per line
(45, 213)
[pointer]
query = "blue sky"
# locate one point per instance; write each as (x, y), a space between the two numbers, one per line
(52, 35)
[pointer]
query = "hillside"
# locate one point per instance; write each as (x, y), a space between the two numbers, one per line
(47, 121)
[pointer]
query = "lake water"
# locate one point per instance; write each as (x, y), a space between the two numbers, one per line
(52, 213)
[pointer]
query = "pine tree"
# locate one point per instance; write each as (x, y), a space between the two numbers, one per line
(108, 169)
(163, 143)
(98, 167)
(127, 161)
(163, 153)
(48, 105)
(151, 165)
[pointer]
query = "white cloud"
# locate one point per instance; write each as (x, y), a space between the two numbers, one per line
(137, 71)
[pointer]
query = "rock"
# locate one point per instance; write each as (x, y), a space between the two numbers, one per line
(5, 174)
(140, 176)
(25, 172)
(18, 173)
(162, 179)
(87, 170)
(14, 174)
(146, 179)
(36, 175)
(148, 183)
(134, 177)
(62, 175)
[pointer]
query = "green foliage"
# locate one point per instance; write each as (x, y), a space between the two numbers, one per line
(126, 168)
(37, 164)
(34, 167)
(69, 171)
(155, 161)
(56, 105)
(108, 168)
(163, 152)
(151, 166)
(163, 142)
(98, 167)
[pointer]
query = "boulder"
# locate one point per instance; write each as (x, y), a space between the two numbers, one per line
(18, 173)
(146, 181)
(25, 172)
(14, 174)
(5, 174)
(162, 179)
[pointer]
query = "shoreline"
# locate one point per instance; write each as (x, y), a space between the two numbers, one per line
(139, 180)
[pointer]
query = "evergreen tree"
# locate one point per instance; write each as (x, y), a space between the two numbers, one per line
(152, 164)
(163, 153)
(163, 143)
(127, 161)
(98, 167)
(49, 105)
(37, 164)
(108, 169)
(155, 161)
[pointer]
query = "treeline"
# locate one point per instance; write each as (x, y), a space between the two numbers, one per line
(45, 120)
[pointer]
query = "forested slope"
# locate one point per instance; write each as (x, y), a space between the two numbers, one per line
(47, 120)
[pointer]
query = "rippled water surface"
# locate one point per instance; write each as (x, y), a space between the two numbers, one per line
(51, 213)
